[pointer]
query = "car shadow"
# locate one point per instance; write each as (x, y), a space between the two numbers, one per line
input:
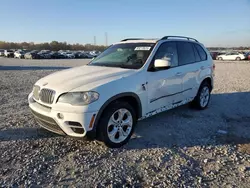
(25, 133)
(225, 121)
(32, 68)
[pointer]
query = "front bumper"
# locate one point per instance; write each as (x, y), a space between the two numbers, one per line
(65, 122)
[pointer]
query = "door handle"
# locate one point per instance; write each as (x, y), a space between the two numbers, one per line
(179, 73)
(202, 68)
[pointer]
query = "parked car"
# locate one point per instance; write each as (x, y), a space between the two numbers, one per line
(87, 55)
(247, 56)
(8, 53)
(94, 53)
(56, 55)
(214, 55)
(69, 55)
(131, 80)
(1, 52)
(19, 54)
(231, 56)
(44, 54)
(32, 55)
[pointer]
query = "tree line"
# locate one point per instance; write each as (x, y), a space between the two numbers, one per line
(54, 46)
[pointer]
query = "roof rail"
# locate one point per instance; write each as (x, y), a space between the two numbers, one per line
(131, 39)
(138, 39)
(188, 38)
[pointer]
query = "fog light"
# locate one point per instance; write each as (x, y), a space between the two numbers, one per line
(60, 116)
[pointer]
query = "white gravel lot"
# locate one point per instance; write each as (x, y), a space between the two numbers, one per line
(179, 148)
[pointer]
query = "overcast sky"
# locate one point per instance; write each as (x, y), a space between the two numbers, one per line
(213, 22)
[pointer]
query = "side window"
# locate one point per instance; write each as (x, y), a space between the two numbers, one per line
(201, 52)
(186, 53)
(168, 51)
(196, 54)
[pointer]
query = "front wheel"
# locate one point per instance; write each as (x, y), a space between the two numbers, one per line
(117, 124)
(238, 59)
(220, 58)
(202, 98)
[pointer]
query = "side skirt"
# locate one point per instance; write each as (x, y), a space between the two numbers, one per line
(165, 108)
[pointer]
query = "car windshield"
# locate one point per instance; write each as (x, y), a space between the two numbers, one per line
(126, 55)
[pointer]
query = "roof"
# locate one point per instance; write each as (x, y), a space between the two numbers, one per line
(141, 40)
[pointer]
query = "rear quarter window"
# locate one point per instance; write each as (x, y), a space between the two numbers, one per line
(202, 53)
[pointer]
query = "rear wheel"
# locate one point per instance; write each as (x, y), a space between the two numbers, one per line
(220, 58)
(202, 98)
(116, 124)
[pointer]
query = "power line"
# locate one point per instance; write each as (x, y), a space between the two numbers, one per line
(106, 38)
(94, 40)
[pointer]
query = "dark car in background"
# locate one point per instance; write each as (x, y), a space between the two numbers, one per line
(247, 55)
(56, 55)
(44, 54)
(32, 55)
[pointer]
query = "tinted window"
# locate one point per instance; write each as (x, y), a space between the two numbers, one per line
(201, 52)
(185, 53)
(196, 54)
(168, 51)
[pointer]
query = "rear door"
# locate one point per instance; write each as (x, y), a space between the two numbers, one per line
(192, 59)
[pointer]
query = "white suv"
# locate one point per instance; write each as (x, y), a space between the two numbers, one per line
(131, 80)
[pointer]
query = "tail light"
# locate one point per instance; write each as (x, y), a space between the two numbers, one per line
(213, 66)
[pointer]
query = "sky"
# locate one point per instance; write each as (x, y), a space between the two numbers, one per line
(213, 22)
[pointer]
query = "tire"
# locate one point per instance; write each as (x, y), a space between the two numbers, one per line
(111, 121)
(220, 58)
(199, 101)
(238, 59)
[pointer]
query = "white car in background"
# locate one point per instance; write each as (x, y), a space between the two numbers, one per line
(19, 54)
(131, 80)
(1, 52)
(231, 56)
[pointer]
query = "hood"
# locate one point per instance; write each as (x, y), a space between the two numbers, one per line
(87, 76)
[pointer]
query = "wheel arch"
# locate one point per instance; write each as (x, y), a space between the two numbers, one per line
(132, 98)
(209, 81)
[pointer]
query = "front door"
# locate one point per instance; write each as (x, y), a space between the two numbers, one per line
(164, 86)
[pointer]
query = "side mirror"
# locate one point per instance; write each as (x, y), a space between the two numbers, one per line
(162, 63)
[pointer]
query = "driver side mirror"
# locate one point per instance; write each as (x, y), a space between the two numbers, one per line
(162, 63)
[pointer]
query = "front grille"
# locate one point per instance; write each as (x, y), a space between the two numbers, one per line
(47, 96)
(47, 122)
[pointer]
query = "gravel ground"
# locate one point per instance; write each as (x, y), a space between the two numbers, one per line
(179, 148)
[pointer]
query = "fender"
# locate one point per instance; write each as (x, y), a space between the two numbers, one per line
(92, 133)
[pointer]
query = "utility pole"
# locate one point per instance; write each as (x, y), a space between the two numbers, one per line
(106, 38)
(94, 40)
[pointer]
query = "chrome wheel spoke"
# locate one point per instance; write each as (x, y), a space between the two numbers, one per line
(121, 112)
(204, 96)
(113, 132)
(120, 125)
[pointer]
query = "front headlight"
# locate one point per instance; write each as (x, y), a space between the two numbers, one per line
(79, 98)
